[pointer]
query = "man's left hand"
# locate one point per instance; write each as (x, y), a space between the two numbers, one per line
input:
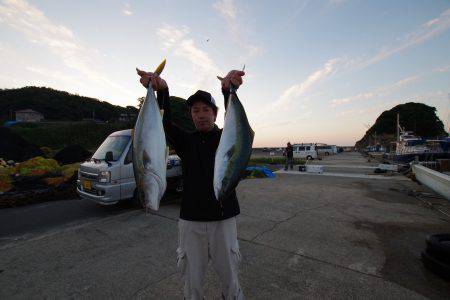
(234, 77)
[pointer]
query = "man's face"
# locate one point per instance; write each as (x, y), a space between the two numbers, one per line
(203, 116)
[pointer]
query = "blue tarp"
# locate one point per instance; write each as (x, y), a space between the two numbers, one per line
(264, 169)
(10, 123)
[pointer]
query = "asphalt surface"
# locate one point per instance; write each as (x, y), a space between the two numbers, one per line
(301, 236)
(18, 222)
(25, 222)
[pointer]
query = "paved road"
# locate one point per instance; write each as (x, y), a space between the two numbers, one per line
(301, 236)
(27, 221)
(38, 218)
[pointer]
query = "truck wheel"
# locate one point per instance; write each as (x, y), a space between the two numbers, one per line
(309, 157)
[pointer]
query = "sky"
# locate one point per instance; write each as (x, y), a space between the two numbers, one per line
(316, 71)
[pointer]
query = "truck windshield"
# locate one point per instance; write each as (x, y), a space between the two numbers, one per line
(115, 144)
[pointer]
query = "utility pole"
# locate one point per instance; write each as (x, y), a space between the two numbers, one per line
(448, 115)
(398, 127)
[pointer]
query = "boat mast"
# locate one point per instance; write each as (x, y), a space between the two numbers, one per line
(398, 127)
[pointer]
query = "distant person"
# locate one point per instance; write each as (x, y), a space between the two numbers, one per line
(289, 157)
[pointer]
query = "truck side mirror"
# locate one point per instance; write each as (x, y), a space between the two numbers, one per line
(109, 156)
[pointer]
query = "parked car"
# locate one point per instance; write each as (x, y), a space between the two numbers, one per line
(307, 151)
(325, 150)
(108, 177)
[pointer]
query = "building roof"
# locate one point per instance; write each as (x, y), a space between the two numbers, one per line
(27, 111)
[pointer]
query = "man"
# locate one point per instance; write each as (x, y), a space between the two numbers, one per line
(207, 228)
(289, 157)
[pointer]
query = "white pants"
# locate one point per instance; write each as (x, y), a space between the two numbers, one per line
(201, 241)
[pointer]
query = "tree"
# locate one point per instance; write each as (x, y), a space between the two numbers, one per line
(417, 117)
(140, 101)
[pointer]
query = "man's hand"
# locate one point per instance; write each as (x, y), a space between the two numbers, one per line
(158, 83)
(234, 77)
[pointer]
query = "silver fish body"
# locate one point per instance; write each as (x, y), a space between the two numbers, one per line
(149, 153)
(234, 150)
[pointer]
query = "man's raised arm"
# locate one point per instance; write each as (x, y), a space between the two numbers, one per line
(175, 135)
(233, 77)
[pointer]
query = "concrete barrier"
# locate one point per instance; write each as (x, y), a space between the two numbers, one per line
(386, 167)
(438, 182)
(314, 169)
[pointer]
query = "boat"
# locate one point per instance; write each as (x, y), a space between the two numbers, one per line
(410, 147)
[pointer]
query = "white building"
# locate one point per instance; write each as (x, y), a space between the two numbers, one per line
(28, 115)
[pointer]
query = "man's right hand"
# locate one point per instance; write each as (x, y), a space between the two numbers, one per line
(158, 83)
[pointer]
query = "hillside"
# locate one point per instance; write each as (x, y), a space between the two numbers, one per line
(58, 105)
(66, 112)
(417, 117)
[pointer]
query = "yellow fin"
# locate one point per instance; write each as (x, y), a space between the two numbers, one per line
(160, 68)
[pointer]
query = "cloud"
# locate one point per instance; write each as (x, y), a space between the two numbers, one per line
(177, 39)
(442, 69)
(297, 90)
(228, 11)
(295, 13)
(381, 91)
(362, 96)
(54, 74)
(60, 40)
(372, 109)
(427, 31)
(337, 2)
(431, 23)
(305, 115)
(404, 82)
(126, 10)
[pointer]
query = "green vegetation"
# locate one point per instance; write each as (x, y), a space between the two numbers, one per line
(58, 105)
(65, 112)
(61, 134)
(417, 117)
(274, 160)
(180, 113)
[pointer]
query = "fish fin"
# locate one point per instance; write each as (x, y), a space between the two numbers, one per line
(160, 68)
(229, 153)
(146, 160)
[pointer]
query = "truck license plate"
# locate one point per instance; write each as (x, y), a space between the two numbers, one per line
(87, 185)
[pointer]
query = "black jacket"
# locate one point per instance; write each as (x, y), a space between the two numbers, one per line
(289, 152)
(197, 152)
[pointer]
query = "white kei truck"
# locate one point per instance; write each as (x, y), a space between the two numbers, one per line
(108, 177)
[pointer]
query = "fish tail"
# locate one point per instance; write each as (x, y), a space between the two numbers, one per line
(160, 68)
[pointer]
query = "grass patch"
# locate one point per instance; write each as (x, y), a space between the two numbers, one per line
(274, 160)
(58, 135)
